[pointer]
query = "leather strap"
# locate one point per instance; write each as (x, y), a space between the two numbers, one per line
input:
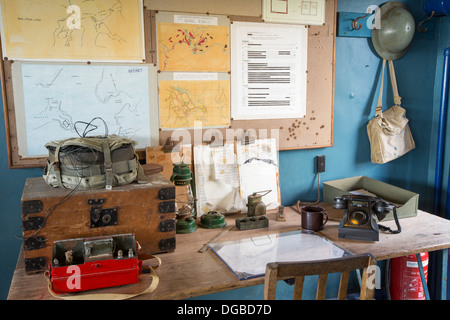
(97, 169)
(107, 164)
(379, 108)
(56, 166)
(108, 296)
(397, 98)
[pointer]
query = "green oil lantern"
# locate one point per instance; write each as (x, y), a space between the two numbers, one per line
(185, 208)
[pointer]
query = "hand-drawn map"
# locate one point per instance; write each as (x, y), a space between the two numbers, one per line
(93, 30)
(55, 97)
(181, 103)
(193, 47)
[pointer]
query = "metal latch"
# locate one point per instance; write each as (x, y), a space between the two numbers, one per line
(102, 217)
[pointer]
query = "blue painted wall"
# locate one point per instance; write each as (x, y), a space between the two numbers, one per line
(356, 83)
(357, 77)
(443, 42)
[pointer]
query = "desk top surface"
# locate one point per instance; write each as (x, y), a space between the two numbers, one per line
(187, 273)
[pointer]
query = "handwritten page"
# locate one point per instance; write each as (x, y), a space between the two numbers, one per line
(258, 171)
(216, 179)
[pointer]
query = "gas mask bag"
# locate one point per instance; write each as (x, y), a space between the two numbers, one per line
(86, 163)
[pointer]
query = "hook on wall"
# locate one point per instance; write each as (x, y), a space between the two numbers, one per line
(356, 25)
(419, 25)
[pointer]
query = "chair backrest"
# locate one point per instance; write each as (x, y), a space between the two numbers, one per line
(298, 270)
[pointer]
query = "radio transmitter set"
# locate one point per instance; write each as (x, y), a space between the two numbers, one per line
(93, 263)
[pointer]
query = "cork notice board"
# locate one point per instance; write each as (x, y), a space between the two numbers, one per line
(314, 130)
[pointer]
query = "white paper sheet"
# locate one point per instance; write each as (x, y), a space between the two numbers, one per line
(258, 171)
(216, 179)
(268, 77)
(294, 11)
(247, 258)
(56, 96)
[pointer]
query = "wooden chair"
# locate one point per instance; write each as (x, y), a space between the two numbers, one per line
(298, 270)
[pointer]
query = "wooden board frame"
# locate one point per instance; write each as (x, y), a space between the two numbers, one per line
(315, 130)
(15, 161)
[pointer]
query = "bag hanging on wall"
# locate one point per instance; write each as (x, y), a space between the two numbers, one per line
(389, 133)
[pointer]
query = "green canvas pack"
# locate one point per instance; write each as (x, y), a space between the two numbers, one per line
(92, 163)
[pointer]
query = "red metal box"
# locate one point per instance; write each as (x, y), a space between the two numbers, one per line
(93, 263)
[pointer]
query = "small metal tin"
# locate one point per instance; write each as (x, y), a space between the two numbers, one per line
(212, 220)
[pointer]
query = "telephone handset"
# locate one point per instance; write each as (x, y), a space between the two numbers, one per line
(359, 220)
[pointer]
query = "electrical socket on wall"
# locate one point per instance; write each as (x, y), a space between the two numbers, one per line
(320, 163)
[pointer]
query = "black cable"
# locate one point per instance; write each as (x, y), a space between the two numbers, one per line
(71, 154)
(89, 124)
(269, 161)
(399, 228)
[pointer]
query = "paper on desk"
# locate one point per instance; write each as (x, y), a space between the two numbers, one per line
(260, 149)
(258, 170)
(247, 258)
(216, 179)
(260, 176)
(224, 164)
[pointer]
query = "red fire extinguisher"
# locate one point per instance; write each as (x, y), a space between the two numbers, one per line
(405, 281)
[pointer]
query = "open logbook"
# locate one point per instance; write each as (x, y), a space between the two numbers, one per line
(226, 175)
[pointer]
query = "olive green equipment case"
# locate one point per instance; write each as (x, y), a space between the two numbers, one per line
(86, 163)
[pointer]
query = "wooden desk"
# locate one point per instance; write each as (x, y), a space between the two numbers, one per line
(186, 273)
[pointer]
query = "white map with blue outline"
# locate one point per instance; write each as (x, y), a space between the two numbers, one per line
(56, 96)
